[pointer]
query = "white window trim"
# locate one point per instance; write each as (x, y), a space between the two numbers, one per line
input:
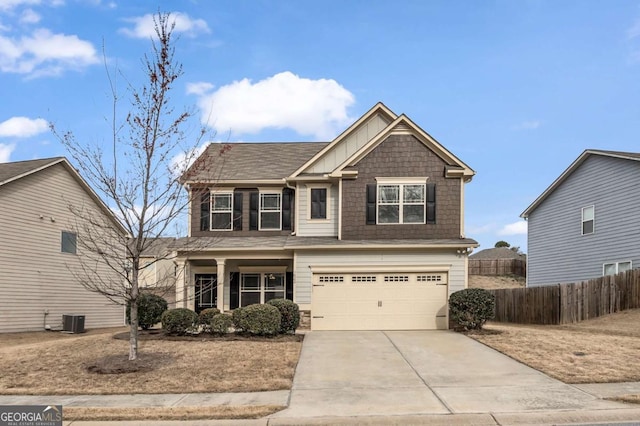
(617, 264)
(271, 192)
(401, 182)
(583, 221)
(328, 213)
(211, 211)
(262, 290)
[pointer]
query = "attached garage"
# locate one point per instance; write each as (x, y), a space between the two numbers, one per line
(379, 301)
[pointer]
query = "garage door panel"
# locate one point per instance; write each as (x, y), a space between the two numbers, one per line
(379, 301)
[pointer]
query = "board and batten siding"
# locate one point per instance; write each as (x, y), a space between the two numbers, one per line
(347, 147)
(305, 260)
(33, 271)
(557, 250)
(318, 227)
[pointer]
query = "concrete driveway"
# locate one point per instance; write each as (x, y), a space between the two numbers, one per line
(356, 373)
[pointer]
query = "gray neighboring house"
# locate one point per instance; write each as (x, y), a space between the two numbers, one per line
(585, 224)
(38, 245)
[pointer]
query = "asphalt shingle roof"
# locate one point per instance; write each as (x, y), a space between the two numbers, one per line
(9, 171)
(497, 253)
(251, 161)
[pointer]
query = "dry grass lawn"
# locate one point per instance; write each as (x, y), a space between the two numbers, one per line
(595, 351)
(58, 364)
(495, 282)
(633, 399)
(169, 413)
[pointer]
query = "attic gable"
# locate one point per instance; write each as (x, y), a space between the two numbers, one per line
(349, 141)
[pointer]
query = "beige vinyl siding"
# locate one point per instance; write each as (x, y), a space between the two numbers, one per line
(305, 260)
(347, 147)
(33, 270)
(159, 278)
(319, 227)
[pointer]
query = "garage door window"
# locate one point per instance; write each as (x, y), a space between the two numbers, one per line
(260, 288)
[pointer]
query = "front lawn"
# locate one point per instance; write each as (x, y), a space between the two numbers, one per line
(59, 364)
(601, 350)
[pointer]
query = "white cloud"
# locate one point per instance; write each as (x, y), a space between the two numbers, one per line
(529, 125)
(45, 53)
(309, 107)
(12, 4)
(5, 152)
(29, 16)
(181, 162)
(22, 127)
(516, 228)
(144, 26)
(199, 88)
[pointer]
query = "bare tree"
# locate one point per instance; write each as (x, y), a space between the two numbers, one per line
(138, 178)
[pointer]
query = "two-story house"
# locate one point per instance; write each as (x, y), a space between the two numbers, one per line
(582, 226)
(363, 232)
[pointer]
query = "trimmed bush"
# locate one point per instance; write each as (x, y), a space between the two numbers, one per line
(150, 310)
(206, 316)
(289, 314)
(238, 318)
(220, 324)
(471, 308)
(262, 320)
(179, 321)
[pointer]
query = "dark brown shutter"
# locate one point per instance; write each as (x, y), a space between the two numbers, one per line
(205, 211)
(431, 203)
(289, 283)
(287, 200)
(371, 203)
(237, 211)
(254, 200)
(234, 289)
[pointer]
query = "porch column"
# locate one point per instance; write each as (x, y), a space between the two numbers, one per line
(221, 275)
(182, 275)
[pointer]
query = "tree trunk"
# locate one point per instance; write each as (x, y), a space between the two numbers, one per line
(133, 333)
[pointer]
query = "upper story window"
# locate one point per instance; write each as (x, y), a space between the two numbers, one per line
(588, 220)
(401, 203)
(615, 267)
(68, 242)
(222, 211)
(318, 203)
(270, 211)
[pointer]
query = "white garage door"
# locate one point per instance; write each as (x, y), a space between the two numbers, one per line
(379, 301)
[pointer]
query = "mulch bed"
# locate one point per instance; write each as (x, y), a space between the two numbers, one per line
(157, 334)
(119, 364)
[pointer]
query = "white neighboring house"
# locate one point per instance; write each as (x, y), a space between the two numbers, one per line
(158, 270)
(38, 245)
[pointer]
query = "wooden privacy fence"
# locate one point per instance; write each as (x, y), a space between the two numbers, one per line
(568, 303)
(497, 267)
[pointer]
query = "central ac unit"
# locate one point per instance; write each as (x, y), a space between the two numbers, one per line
(73, 323)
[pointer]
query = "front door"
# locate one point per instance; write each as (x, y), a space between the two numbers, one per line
(206, 293)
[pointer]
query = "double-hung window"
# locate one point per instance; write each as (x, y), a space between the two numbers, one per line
(401, 203)
(68, 243)
(318, 203)
(588, 220)
(270, 211)
(261, 287)
(615, 267)
(222, 211)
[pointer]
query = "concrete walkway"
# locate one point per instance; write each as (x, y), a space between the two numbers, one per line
(394, 373)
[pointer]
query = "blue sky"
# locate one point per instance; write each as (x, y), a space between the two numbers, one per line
(516, 89)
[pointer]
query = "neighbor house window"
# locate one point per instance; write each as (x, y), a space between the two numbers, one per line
(270, 211)
(588, 218)
(318, 203)
(69, 242)
(260, 288)
(401, 203)
(222, 211)
(615, 267)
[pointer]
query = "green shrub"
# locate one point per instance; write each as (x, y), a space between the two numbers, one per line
(206, 316)
(150, 310)
(220, 324)
(262, 320)
(471, 308)
(239, 319)
(179, 321)
(289, 314)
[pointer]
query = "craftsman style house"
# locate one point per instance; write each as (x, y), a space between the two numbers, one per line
(364, 232)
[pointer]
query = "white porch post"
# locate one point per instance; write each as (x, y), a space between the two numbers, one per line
(221, 276)
(182, 276)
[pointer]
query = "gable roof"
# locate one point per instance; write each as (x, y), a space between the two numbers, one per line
(633, 156)
(404, 124)
(253, 161)
(10, 172)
